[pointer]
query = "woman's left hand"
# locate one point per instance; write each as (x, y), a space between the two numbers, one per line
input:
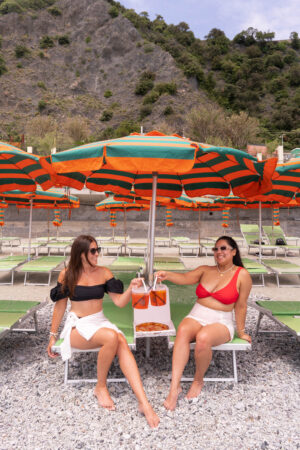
(136, 283)
(246, 337)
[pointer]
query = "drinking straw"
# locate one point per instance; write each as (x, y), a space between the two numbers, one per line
(154, 284)
(144, 284)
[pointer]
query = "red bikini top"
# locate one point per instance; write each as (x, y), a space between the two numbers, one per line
(226, 295)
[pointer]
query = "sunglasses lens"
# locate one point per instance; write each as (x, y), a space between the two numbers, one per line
(94, 250)
(222, 248)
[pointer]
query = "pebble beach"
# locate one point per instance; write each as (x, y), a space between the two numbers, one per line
(261, 411)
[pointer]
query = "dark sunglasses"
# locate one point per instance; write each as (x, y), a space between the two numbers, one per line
(95, 250)
(222, 248)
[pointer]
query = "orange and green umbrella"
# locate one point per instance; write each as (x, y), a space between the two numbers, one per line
(112, 205)
(21, 170)
(159, 165)
(39, 199)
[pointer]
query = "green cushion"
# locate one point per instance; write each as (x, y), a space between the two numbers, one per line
(290, 321)
(42, 264)
(16, 306)
(282, 265)
(176, 266)
(278, 307)
(7, 319)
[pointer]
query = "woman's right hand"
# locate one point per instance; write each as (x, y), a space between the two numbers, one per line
(52, 341)
(161, 275)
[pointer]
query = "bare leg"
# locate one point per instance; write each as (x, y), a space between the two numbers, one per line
(206, 338)
(186, 333)
(107, 339)
(129, 368)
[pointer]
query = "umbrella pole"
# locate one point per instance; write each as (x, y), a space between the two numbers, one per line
(30, 229)
(152, 227)
(125, 229)
(48, 226)
(260, 236)
(199, 225)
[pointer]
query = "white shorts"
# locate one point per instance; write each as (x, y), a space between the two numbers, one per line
(207, 316)
(86, 327)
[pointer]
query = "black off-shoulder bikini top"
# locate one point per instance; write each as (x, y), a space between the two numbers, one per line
(83, 293)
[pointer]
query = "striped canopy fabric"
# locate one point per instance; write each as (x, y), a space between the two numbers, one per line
(286, 182)
(110, 204)
(117, 165)
(40, 199)
(21, 170)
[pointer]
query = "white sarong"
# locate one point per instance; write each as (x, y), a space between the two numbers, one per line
(86, 327)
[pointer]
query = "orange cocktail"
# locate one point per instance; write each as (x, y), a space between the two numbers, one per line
(158, 296)
(140, 298)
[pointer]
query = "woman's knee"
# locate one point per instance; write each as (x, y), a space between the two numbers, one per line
(202, 341)
(108, 337)
(183, 331)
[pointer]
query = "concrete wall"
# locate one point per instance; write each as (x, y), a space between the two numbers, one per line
(87, 220)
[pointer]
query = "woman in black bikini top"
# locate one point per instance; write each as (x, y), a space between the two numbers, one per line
(86, 327)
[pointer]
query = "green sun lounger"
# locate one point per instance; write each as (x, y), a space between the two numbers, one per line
(137, 247)
(285, 313)
(59, 246)
(14, 312)
(9, 264)
(273, 234)
(176, 240)
(256, 268)
(41, 265)
(123, 319)
(111, 248)
(189, 249)
(127, 264)
(178, 312)
(282, 267)
(250, 234)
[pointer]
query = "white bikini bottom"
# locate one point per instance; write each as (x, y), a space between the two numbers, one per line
(207, 316)
(86, 327)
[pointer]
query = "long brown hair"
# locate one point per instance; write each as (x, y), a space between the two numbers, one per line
(237, 260)
(80, 245)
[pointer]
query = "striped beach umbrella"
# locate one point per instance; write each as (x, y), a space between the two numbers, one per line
(112, 205)
(39, 199)
(21, 170)
(156, 164)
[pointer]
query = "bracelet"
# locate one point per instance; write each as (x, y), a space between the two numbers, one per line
(53, 334)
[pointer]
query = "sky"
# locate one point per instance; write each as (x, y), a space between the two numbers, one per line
(230, 16)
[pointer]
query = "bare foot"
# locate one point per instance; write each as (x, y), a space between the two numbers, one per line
(195, 389)
(104, 398)
(171, 400)
(151, 416)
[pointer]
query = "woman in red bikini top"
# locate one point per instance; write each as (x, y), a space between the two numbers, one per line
(221, 289)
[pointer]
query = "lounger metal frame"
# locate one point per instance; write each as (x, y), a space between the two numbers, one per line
(32, 312)
(67, 380)
(265, 312)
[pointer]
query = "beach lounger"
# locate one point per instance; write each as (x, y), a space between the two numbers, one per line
(189, 249)
(176, 240)
(10, 241)
(273, 234)
(137, 247)
(282, 267)
(251, 236)
(9, 264)
(100, 239)
(121, 239)
(59, 246)
(41, 265)
(162, 241)
(123, 318)
(111, 248)
(14, 312)
(35, 247)
(206, 247)
(256, 268)
(277, 232)
(285, 313)
(178, 312)
(127, 264)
